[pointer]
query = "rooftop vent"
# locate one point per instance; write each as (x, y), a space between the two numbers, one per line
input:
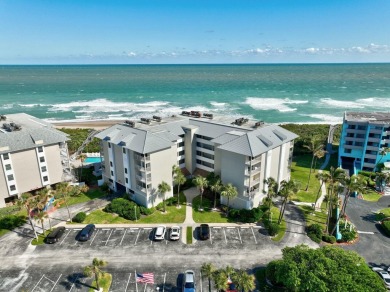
(157, 118)
(3, 118)
(185, 113)
(209, 116)
(196, 114)
(240, 121)
(12, 127)
(259, 124)
(130, 123)
(145, 120)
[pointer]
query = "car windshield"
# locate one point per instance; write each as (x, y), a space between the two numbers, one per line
(189, 285)
(387, 280)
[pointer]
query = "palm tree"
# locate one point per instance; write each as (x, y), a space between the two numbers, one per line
(94, 269)
(63, 189)
(201, 183)
(179, 179)
(384, 151)
(220, 280)
(314, 146)
(208, 270)
(336, 176)
(82, 158)
(324, 178)
(229, 191)
(287, 190)
(41, 216)
(163, 188)
(272, 189)
(215, 187)
(352, 184)
(318, 155)
(29, 203)
(244, 281)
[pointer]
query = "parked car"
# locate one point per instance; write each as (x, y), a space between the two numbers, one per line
(174, 233)
(86, 233)
(383, 274)
(189, 281)
(160, 233)
(55, 235)
(204, 231)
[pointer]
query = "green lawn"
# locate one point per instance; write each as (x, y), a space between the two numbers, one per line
(283, 226)
(383, 214)
(207, 215)
(173, 215)
(90, 195)
(314, 217)
(371, 195)
(104, 282)
(189, 234)
(300, 172)
(41, 238)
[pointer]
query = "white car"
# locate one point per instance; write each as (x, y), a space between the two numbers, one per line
(174, 233)
(383, 274)
(160, 233)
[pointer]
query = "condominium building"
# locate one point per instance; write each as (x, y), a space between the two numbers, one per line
(138, 156)
(364, 136)
(32, 155)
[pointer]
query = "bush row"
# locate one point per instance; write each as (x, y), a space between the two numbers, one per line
(12, 221)
(315, 232)
(124, 208)
(246, 216)
(386, 227)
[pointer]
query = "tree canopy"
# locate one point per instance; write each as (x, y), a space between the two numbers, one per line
(325, 269)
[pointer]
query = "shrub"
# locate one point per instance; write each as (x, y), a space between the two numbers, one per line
(328, 238)
(171, 201)
(11, 221)
(386, 227)
(124, 208)
(247, 216)
(146, 211)
(273, 229)
(79, 217)
(315, 232)
(347, 235)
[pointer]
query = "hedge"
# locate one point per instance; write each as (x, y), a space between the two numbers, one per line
(386, 227)
(79, 217)
(12, 221)
(328, 238)
(247, 216)
(315, 232)
(124, 208)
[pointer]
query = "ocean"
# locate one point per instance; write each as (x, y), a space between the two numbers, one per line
(296, 93)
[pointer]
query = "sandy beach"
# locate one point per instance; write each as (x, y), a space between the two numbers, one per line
(97, 124)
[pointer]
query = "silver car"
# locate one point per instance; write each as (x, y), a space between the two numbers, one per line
(383, 274)
(160, 233)
(174, 233)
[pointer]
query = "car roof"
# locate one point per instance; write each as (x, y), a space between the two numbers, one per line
(189, 276)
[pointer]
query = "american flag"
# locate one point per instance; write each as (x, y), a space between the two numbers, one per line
(145, 278)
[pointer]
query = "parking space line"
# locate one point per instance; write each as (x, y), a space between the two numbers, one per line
(128, 281)
(55, 283)
(123, 237)
(73, 283)
(254, 235)
(65, 236)
(146, 284)
(119, 229)
(109, 236)
(94, 236)
(239, 235)
(135, 243)
(225, 235)
(201, 284)
(211, 239)
(105, 229)
(38, 282)
(165, 276)
(135, 276)
(230, 227)
(217, 227)
(148, 228)
(49, 279)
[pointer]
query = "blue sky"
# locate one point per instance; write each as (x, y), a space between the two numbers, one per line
(186, 31)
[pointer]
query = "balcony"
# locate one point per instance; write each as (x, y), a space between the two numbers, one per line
(143, 178)
(142, 168)
(253, 161)
(138, 157)
(141, 188)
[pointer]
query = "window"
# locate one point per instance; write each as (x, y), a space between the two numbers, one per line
(180, 153)
(124, 150)
(127, 180)
(12, 188)
(109, 145)
(131, 191)
(110, 180)
(10, 177)
(112, 173)
(181, 144)
(8, 167)
(347, 151)
(6, 156)
(40, 149)
(125, 170)
(45, 178)
(42, 159)
(181, 161)
(111, 163)
(44, 168)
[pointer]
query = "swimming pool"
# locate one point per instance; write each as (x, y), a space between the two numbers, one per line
(92, 160)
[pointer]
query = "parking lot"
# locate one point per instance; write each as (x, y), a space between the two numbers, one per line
(122, 281)
(231, 237)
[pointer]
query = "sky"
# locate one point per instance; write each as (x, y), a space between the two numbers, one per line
(199, 31)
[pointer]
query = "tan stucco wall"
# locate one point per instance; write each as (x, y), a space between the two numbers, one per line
(118, 163)
(53, 161)
(3, 186)
(26, 169)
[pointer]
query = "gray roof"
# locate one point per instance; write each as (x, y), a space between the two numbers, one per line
(213, 130)
(368, 117)
(138, 140)
(229, 136)
(259, 141)
(34, 133)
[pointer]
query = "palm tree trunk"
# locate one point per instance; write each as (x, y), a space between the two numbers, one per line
(228, 207)
(311, 167)
(164, 203)
(215, 200)
(32, 226)
(201, 200)
(48, 217)
(67, 208)
(43, 228)
(209, 284)
(97, 281)
(318, 194)
(178, 195)
(283, 207)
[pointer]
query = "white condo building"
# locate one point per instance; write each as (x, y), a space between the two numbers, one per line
(137, 156)
(32, 155)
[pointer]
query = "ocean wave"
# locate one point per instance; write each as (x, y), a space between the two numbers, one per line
(325, 119)
(279, 104)
(371, 102)
(217, 104)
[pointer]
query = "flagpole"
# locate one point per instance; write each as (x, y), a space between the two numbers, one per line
(136, 285)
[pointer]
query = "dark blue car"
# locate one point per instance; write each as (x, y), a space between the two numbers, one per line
(86, 233)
